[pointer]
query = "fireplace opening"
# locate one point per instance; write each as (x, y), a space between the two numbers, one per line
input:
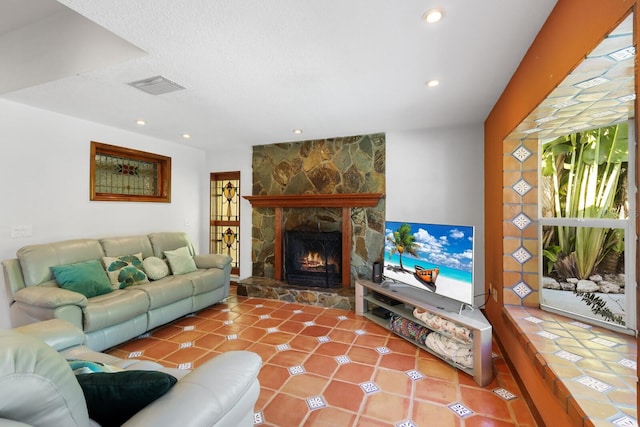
(313, 258)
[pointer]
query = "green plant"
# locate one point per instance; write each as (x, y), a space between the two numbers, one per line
(585, 171)
(599, 307)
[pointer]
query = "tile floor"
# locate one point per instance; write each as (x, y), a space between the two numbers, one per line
(329, 367)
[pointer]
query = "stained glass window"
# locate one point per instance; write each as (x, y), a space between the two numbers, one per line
(225, 216)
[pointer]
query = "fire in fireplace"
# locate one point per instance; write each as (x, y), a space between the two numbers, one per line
(313, 258)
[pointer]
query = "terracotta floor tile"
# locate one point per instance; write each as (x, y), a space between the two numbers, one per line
(355, 373)
(372, 355)
(304, 385)
(387, 407)
(344, 395)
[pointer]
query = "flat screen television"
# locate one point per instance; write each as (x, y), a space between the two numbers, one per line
(435, 258)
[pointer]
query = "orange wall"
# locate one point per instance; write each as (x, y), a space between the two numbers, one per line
(572, 30)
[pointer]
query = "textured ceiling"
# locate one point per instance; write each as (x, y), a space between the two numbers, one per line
(255, 70)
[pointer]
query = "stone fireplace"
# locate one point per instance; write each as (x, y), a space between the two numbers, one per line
(329, 185)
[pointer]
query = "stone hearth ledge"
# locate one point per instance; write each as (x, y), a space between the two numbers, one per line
(263, 287)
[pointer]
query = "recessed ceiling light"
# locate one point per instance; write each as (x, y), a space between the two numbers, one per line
(141, 122)
(432, 83)
(432, 15)
(297, 131)
(186, 135)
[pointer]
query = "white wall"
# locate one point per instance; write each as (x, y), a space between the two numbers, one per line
(437, 176)
(44, 174)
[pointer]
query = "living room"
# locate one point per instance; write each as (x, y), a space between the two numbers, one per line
(46, 155)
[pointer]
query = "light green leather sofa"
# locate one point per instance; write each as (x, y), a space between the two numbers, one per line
(38, 387)
(122, 314)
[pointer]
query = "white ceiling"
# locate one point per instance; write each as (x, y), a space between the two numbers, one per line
(254, 70)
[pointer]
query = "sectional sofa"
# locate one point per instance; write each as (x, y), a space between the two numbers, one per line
(150, 280)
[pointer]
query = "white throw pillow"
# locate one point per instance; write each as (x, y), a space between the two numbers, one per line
(155, 268)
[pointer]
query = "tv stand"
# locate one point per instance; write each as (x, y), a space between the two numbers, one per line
(401, 299)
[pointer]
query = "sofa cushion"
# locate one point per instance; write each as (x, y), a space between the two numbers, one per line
(155, 268)
(113, 398)
(212, 260)
(181, 261)
(166, 291)
(125, 270)
(206, 280)
(114, 308)
(125, 245)
(87, 278)
(168, 241)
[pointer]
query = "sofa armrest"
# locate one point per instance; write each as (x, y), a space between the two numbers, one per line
(57, 333)
(49, 297)
(212, 261)
(222, 391)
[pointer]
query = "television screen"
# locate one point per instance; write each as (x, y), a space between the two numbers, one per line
(437, 258)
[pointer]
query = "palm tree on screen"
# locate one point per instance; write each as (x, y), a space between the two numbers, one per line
(403, 241)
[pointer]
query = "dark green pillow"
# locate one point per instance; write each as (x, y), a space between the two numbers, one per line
(113, 398)
(87, 278)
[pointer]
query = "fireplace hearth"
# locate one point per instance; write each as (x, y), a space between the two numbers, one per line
(313, 258)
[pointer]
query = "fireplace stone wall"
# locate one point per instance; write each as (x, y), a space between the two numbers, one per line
(346, 165)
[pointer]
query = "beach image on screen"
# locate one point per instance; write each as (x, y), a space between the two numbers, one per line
(434, 257)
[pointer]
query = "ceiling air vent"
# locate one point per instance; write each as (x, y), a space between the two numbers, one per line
(157, 85)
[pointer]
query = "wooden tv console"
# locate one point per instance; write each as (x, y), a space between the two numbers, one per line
(410, 297)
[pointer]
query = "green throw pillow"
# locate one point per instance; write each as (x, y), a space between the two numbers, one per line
(125, 270)
(113, 398)
(180, 261)
(87, 278)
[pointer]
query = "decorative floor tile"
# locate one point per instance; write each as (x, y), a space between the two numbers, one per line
(145, 335)
(624, 421)
(259, 305)
(134, 354)
(504, 393)
(342, 359)
(185, 366)
(549, 335)
(414, 375)
(383, 350)
(594, 384)
(521, 153)
(264, 316)
(296, 370)
(521, 221)
(407, 423)
(604, 342)
(228, 322)
(581, 325)
(309, 323)
(342, 317)
(461, 410)
(522, 187)
(533, 319)
(258, 418)
(316, 402)
(186, 345)
(283, 347)
(369, 387)
(225, 310)
(189, 328)
(297, 311)
(360, 332)
(629, 363)
(568, 356)
(324, 339)
(232, 337)
(272, 330)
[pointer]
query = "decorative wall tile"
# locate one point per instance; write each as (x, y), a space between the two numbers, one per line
(521, 221)
(522, 289)
(521, 153)
(522, 255)
(522, 187)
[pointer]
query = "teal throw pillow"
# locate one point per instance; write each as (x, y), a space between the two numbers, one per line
(87, 278)
(125, 270)
(180, 261)
(113, 398)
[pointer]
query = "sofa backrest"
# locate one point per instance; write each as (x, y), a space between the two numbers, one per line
(36, 260)
(127, 245)
(169, 241)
